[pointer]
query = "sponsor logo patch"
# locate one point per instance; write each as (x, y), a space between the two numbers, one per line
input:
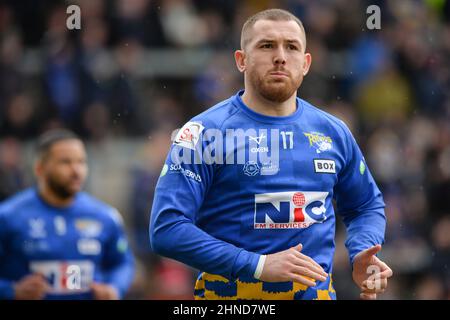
(122, 245)
(189, 135)
(324, 166)
(289, 210)
(164, 170)
(89, 246)
(188, 173)
(259, 139)
(259, 149)
(362, 167)
(269, 168)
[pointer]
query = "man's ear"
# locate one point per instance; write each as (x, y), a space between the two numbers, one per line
(307, 63)
(38, 168)
(239, 57)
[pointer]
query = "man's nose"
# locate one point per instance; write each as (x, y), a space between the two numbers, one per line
(76, 168)
(280, 56)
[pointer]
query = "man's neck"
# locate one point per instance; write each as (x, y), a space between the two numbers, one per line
(263, 106)
(52, 199)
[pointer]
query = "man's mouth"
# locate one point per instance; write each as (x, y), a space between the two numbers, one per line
(279, 74)
(75, 181)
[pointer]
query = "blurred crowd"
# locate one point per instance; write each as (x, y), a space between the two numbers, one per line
(391, 86)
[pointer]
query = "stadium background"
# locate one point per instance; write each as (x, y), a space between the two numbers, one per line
(139, 69)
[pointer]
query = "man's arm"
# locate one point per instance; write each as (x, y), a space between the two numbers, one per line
(118, 263)
(30, 287)
(360, 203)
(6, 290)
(6, 285)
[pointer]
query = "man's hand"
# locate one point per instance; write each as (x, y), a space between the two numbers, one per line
(31, 287)
(370, 273)
(291, 265)
(103, 291)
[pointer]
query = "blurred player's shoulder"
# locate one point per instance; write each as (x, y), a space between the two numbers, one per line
(18, 201)
(99, 208)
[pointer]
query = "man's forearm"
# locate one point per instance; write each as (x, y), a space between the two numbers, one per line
(180, 239)
(364, 230)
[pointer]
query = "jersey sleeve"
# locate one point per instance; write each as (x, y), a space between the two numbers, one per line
(118, 261)
(184, 182)
(6, 285)
(359, 201)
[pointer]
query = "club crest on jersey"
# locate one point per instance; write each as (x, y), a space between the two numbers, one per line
(319, 141)
(88, 227)
(289, 210)
(189, 135)
(252, 168)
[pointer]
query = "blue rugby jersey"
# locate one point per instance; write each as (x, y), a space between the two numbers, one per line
(222, 201)
(71, 246)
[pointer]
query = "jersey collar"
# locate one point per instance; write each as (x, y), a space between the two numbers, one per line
(237, 99)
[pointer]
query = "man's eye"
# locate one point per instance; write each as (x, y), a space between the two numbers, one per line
(292, 47)
(267, 46)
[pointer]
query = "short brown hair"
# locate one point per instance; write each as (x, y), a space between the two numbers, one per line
(269, 14)
(49, 138)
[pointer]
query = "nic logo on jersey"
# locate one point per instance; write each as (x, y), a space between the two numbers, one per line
(289, 210)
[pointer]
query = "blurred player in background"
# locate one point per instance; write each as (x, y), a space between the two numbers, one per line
(263, 229)
(57, 242)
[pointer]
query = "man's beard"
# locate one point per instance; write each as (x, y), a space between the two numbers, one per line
(275, 93)
(61, 190)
